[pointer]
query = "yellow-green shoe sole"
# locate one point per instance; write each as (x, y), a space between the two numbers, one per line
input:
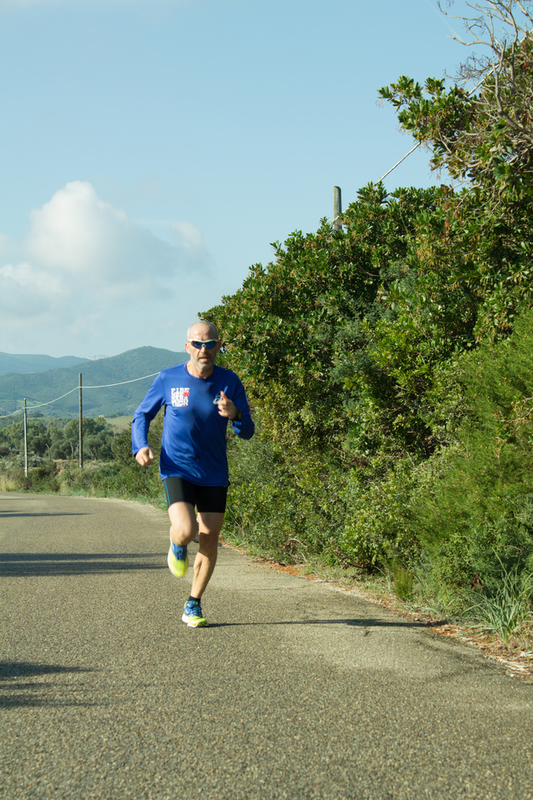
(177, 568)
(194, 622)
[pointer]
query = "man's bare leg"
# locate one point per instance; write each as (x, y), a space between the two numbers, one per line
(183, 529)
(206, 558)
(183, 525)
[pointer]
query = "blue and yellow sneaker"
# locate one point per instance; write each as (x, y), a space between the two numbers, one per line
(178, 560)
(192, 615)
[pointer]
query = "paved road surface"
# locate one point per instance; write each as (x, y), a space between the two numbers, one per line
(294, 691)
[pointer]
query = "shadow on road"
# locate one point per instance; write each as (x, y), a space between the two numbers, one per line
(360, 623)
(14, 513)
(24, 564)
(19, 689)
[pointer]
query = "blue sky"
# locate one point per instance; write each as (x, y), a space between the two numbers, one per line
(153, 149)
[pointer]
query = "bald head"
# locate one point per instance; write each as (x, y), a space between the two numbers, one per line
(202, 330)
(202, 359)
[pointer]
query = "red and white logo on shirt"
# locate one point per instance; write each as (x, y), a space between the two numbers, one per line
(179, 397)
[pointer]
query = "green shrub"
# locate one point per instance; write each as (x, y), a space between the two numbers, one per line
(41, 479)
(476, 505)
(287, 505)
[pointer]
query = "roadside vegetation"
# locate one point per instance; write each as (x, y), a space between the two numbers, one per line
(390, 368)
(389, 363)
(53, 459)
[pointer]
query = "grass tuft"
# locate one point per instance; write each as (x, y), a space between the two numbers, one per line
(506, 610)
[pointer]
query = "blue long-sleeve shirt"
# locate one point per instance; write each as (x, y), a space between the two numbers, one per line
(194, 434)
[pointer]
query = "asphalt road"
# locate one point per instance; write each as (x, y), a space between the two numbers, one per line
(293, 691)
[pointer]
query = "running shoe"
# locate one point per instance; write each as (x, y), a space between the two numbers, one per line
(178, 561)
(192, 615)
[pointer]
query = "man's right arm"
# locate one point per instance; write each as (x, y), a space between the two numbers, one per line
(144, 414)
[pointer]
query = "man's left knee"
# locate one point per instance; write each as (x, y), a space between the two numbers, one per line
(208, 542)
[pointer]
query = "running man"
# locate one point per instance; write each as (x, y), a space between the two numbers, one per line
(199, 399)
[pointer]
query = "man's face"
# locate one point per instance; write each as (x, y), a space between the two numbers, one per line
(202, 359)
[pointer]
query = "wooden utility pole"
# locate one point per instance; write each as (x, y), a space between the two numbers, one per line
(80, 438)
(337, 208)
(25, 440)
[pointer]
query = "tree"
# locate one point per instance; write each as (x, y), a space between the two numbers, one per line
(484, 135)
(348, 342)
(12, 438)
(477, 511)
(97, 438)
(302, 334)
(295, 323)
(484, 233)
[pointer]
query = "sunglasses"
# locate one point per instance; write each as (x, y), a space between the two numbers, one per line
(208, 345)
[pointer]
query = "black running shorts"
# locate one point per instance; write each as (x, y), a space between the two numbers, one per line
(208, 499)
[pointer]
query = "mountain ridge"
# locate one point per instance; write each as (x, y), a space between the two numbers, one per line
(21, 364)
(44, 390)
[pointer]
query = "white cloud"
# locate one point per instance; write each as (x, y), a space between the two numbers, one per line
(84, 263)
(26, 297)
(78, 235)
(29, 279)
(75, 230)
(192, 238)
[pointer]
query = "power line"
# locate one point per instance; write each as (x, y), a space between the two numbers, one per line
(412, 150)
(19, 410)
(133, 380)
(76, 388)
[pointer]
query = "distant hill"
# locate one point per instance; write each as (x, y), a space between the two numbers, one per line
(22, 364)
(42, 387)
